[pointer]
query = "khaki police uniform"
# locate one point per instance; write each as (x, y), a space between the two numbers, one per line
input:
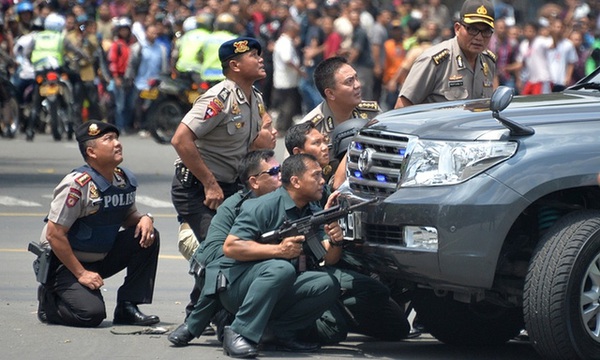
(83, 202)
(225, 123)
(324, 121)
(442, 73)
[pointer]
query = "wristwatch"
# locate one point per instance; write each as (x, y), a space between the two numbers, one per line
(150, 216)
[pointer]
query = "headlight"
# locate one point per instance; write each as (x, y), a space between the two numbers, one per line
(431, 163)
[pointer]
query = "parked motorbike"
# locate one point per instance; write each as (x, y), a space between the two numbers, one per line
(9, 108)
(53, 100)
(169, 100)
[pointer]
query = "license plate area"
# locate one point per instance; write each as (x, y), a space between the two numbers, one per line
(49, 89)
(151, 94)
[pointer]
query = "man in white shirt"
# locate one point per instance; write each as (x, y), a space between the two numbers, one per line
(286, 76)
(561, 57)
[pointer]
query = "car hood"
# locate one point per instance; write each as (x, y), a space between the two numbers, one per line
(472, 119)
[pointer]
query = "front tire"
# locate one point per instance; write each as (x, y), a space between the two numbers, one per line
(476, 324)
(562, 289)
(164, 118)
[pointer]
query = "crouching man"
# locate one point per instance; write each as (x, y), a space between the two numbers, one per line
(88, 209)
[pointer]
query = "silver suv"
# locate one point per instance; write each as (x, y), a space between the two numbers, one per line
(489, 214)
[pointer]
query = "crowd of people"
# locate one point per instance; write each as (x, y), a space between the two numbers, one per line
(124, 44)
(323, 61)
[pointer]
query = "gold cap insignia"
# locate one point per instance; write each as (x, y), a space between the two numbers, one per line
(241, 46)
(93, 130)
(482, 10)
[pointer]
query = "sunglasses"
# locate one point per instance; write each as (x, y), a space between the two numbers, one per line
(473, 31)
(272, 171)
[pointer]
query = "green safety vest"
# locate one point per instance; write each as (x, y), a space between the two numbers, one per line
(189, 46)
(48, 44)
(590, 63)
(212, 69)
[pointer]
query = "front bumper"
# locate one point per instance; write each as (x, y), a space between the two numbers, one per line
(472, 220)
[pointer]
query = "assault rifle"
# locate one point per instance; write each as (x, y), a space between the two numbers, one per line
(309, 226)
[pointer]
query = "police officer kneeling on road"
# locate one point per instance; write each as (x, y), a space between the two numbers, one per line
(89, 207)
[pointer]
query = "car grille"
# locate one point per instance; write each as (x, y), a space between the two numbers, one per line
(375, 160)
(384, 234)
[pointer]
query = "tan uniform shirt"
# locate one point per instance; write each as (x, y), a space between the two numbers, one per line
(442, 73)
(322, 117)
(76, 197)
(225, 122)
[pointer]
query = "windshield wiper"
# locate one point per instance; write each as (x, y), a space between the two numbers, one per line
(585, 85)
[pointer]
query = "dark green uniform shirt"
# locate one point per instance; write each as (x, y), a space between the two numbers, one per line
(258, 216)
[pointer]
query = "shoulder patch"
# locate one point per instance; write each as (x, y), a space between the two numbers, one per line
(368, 106)
(441, 56)
(490, 54)
(83, 179)
(317, 119)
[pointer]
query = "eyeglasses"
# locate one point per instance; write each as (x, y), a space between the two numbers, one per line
(272, 171)
(473, 31)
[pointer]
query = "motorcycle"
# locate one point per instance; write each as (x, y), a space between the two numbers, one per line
(53, 99)
(169, 99)
(9, 108)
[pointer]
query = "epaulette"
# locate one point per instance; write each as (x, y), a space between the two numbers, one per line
(368, 106)
(256, 90)
(490, 54)
(441, 56)
(83, 179)
(317, 119)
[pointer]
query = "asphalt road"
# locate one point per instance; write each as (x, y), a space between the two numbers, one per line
(28, 174)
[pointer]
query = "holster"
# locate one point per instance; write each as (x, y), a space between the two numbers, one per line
(41, 265)
(196, 269)
(185, 176)
(221, 283)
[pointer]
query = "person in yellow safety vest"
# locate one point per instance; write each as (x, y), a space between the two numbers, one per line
(224, 28)
(186, 52)
(47, 44)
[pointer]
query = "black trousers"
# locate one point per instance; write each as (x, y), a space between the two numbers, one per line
(68, 302)
(189, 204)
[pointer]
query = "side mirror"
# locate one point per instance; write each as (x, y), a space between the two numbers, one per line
(501, 98)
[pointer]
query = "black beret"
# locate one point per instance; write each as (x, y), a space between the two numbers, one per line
(93, 129)
(237, 46)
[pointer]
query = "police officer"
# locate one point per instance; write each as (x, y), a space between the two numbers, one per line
(50, 43)
(89, 207)
(338, 83)
(187, 47)
(273, 303)
(223, 31)
(459, 68)
(216, 133)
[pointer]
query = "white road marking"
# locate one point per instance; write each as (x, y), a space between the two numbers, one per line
(12, 201)
(152, 202)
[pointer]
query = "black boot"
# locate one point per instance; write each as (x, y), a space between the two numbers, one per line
(41, 312)
(127, 313)
(235, 345)
(181, 336)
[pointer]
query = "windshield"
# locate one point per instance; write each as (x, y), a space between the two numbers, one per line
(590, 82)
